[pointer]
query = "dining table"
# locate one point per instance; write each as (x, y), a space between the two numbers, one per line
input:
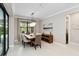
(30, 37)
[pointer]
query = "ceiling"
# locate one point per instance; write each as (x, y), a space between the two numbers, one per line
(40, 10)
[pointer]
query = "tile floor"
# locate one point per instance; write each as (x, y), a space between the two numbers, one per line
(47, 49)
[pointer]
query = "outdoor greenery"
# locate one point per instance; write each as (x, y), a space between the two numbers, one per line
(1, 27)
(23, 27)
(1, 30)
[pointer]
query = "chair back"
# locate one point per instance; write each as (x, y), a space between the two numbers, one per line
(24, 38)
(38, 39)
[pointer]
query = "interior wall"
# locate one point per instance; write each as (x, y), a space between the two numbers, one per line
(15, 26)
(17, 31)
(59, 29)
(38, 26)
(11, 31)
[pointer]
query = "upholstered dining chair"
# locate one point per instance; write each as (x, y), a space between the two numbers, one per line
(24, 40)
(37, 41)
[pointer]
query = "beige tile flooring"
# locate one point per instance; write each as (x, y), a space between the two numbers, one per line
(47, 49)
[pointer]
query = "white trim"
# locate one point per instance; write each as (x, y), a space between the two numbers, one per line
(63, 11)
(61, 44)
(73, 44)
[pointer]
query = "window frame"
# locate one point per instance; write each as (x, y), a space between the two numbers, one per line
(4, 52)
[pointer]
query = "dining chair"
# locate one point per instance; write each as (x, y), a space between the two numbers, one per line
(37, 41)
(24, 40)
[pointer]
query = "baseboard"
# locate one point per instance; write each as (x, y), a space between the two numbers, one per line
(61, 44)
(73, 44)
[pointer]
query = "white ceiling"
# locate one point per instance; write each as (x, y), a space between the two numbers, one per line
(41, 10)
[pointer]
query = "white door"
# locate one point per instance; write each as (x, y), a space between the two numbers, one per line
(74, 28)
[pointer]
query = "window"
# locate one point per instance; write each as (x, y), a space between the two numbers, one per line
(4, 30)
(24, 26)
(1, 30)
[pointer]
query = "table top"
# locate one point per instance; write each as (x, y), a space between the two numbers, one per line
(30, 36)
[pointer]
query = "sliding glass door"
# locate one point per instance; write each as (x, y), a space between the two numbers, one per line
(4, 30)
(1, 30)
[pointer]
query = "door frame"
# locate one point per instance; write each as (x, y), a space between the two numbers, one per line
(67, 23)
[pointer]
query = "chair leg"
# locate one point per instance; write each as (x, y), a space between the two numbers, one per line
(35, 47)
(40, 46)
(24, 44)
(31, 44)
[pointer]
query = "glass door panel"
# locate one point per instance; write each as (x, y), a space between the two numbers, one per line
(1, 30)
(4, 30)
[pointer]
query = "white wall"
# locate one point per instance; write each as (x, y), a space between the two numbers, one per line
(11, 31)
(15, 29)
(38, 26)
(58, 30)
